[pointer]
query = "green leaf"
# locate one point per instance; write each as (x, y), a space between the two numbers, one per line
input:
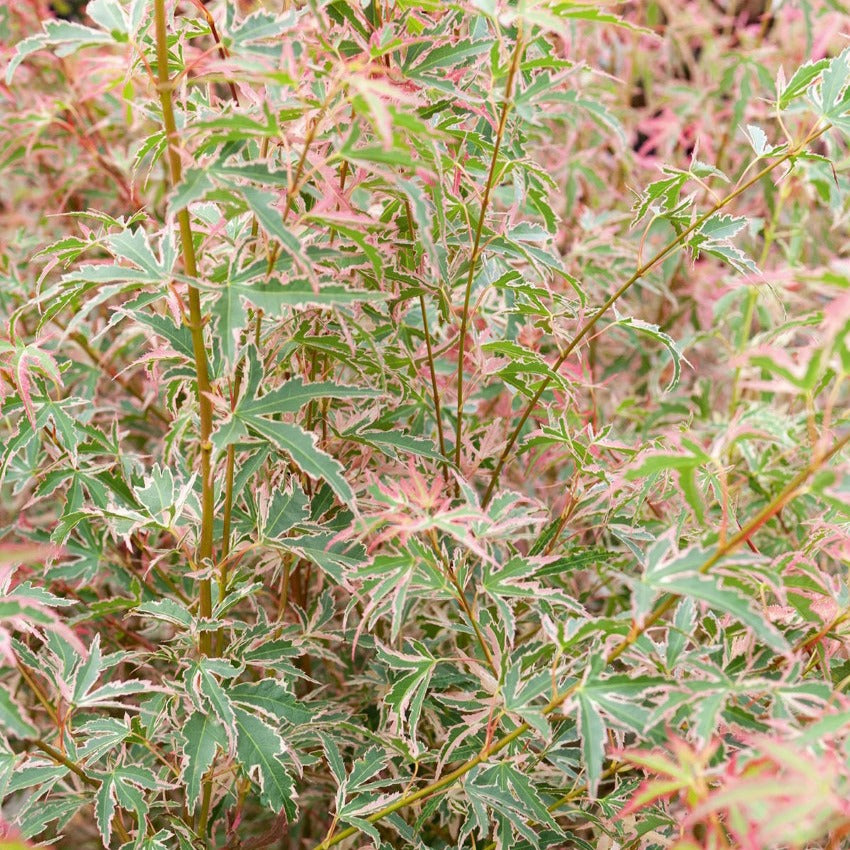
(396, 444)
(104, 809)
(260, 25)
(592, 730)
(123, 787)
(180, 336)
(100, 736)
(157, 494)
(302, 449)
(272, 700)
(456, 55)
(288, 508)
(292, 395)
(88, 671)
(12, 717)
(270, 218)
(685, 467)
(274, 655)
(571, 10)
(358, 787)
(835, 78)
(423, 219)
(334, 558)
(168, 610)
(654, 332)
(28, 776)
(201, 735)
(681, 575)
(134, 246)
(502, 794)
(25, 47)
(800, 81)
(720, 227)
(665, 194)
(108, 15)
(258, 748)
(758, 139)
(678, 635)
(406, 697)
(272, 296)
(202, 684)
(195, 184)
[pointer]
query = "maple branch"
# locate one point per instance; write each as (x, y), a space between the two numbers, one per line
(196, 327)
(771, 509)
(479, 229)
(638, 274)
(61, 758)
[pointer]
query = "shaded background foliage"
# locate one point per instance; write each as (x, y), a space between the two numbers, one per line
(520, 334)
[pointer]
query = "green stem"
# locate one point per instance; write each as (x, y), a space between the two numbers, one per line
(433, 373)
(62, 759)
(639, 273)
(196, 326)
(771, 509)
(41, 696)
(230, 466)
(438, 414)
(206, 804)
(464, 604)
(230, 462)
(467, 609)
(479, 229)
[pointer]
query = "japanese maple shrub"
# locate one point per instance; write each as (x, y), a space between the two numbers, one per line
(424, 424)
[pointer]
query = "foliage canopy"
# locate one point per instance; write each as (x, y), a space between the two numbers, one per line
(424, 424)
